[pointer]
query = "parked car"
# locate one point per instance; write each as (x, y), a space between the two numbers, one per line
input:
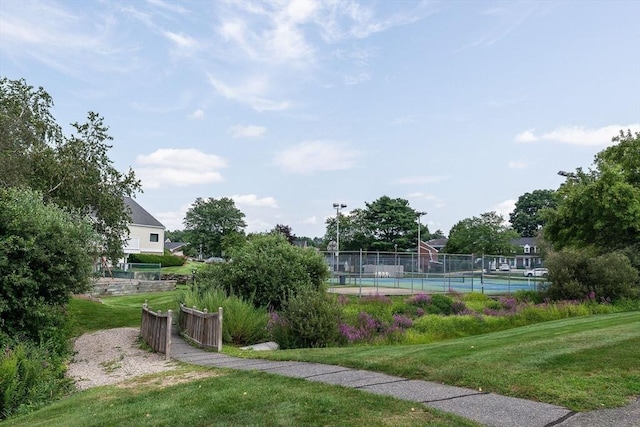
(537, 272)
(505, 267)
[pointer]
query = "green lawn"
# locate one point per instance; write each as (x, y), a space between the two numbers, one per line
(581, 363)
(186, 269)
(231, 398)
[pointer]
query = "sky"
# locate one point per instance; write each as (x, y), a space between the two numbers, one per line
(288, 107)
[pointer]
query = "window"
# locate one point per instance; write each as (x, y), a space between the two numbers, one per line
(526, 249)
(153, 237)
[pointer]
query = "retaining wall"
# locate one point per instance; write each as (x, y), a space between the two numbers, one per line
(109, 286)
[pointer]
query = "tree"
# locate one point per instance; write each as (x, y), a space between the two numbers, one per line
(486, 234)
(176, 235)
(393, 222)
(46, 254)
(601, 207)
(286, 231)
(208, 222)
(74, 172)
(354, 235)
(526, 218)
(267, 270)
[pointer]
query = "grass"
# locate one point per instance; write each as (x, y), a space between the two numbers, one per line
(581, 363)
(116, 311)
(185, 269)
(203, 397)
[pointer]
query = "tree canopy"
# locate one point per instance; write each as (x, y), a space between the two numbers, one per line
(526, 218)
(74, 171)
(380, 226)
(211, 222)
(486, 234)
(601, 207)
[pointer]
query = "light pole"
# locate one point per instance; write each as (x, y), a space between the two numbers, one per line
(338, 206)
(419, 214)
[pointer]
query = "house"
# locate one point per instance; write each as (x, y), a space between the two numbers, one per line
(176, 248)
(146, 234)
(529, 257)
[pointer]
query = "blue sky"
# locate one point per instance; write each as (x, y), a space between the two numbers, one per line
(288, 107)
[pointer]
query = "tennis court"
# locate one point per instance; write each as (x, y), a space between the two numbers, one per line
(483, 283)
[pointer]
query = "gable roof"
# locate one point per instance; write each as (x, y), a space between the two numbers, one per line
(522, 241)
(139, 216)
(173, 246)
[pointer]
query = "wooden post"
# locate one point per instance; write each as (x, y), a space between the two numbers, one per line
(219, 326)
(167, 351)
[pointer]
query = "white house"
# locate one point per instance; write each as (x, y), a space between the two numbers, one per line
(146, 234)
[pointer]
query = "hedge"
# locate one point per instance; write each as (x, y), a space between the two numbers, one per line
(164, 260)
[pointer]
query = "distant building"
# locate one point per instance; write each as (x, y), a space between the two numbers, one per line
(146, 234)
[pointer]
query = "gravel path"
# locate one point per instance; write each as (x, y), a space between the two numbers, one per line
(112, 355)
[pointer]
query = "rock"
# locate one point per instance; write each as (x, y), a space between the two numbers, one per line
(262, 346)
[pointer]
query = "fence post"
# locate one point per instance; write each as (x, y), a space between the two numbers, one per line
(167, 350)
(219, 326)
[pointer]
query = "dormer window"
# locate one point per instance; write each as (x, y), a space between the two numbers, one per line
(527, 249)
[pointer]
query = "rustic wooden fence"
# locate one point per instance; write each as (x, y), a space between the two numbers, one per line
(202, 327)
(155, 330)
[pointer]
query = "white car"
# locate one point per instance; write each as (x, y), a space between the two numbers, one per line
(537, 272)
(505, 267)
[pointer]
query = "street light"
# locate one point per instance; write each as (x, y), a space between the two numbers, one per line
(338, 207)
(419, 214)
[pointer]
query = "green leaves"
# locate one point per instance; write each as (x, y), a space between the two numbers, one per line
(210, 222)
(486, 234)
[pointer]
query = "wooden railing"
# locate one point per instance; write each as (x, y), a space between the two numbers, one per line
(202, 327)
(155, 330)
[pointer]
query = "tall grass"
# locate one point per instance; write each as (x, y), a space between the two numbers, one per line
(243, 323)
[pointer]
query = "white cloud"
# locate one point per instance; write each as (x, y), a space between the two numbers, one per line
(253, 201)
(437, 202)
(251, 92)
(404, 120)
(250, 131)
(179, 168)
(257, 225)
(505, 208)
(197, 115)
(357, 79)
(317, 156)
(517, 164)
(526, 136)
(182, 41)
(311, 220)
(172, 220)
(578, 135)
(421, 179)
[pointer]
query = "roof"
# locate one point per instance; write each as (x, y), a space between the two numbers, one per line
(437, 242)
(139, 216)
(522, 241)
(172, 246)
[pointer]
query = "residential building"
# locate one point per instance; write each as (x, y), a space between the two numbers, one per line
(146, 234)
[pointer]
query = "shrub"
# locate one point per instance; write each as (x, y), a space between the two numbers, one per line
(163, 260)
(242, 322)
(575, 274)
(440, 304)
(45, 256)
(31, 375)
(308, 319)
(267, 270)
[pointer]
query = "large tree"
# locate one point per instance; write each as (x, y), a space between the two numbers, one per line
(526, 218)
(74, 171)
(601, 207)
(212, 221)
(353, 233)
(485, 234)
(286, 231)
(393, 222)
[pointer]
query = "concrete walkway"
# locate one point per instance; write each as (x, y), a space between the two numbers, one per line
(486, 408)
